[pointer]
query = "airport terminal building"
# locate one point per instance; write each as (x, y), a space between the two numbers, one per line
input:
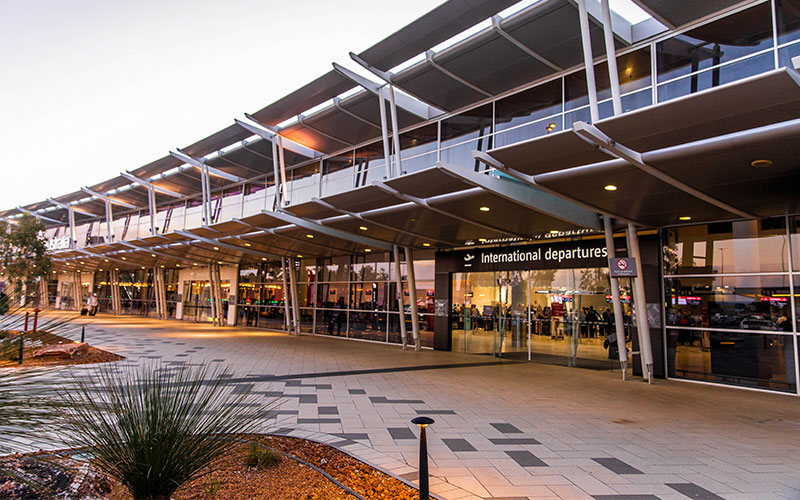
(469, 183)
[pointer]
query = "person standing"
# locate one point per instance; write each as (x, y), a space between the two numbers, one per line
(92, 304)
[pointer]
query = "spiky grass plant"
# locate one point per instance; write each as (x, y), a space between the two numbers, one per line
(156, 427)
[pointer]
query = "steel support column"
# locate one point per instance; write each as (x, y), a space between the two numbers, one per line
(588, 60)
(640, 303)
(400, 307)
(619, 327)
(293, 289)
(287, 310)
(412, 296)
(611, 54)
(77, 296)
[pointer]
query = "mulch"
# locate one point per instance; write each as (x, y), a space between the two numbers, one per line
(229, 479)
(94, 355)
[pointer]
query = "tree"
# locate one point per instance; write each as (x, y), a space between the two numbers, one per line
(23, 251)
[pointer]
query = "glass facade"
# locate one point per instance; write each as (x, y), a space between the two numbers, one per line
(731, 302)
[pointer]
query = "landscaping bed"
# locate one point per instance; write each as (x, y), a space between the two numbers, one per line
(230, 479)
(37, 341)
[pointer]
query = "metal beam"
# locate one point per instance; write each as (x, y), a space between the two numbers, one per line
(425, 204)
(34, 214)
(526, 196)
(429, 57)
(313, 225)
(274, 232)
(154, 250)
(237, 248)
(596, 137)
(611, 57)
(105, 197)
(199, 163)
(337, 103)
(379, 224)
(489, 160)
(269, 133)
(302, 120)
(496, 20)
(67, 206)
(588, 60)
(145, 183)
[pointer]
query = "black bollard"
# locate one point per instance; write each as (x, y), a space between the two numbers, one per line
(423, 422)
(83, 333)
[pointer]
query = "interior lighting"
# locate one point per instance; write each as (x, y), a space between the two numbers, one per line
(143, 267)
(550, 127)
(105, 260)
(309, 236)
(426, 244)
(263, 258)
(162, 266)
(610, 187)
(219, 262)
(81, 262)
(124, 258)
(368, 250)
(761, 163)
(685, 217)
(216, 248)
(177, 265)
(194, 263)
(363, 228)
(247, 244)
(485, 209)
(299, 256)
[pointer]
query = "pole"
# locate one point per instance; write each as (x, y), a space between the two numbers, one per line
(613, 75)
(412, 292)
(22, 336)
(424, 489)
(400, 307)
(641, 307)
(591, 85)
(619, 328)
(35, 318)
(286, 294)
(83, 334)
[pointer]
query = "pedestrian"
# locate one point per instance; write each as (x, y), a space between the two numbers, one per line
(92, 303)
(611, 344)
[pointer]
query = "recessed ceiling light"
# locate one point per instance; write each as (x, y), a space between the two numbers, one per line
(761, 163)
(610, 187)
(426, 244)
(143, 267)
(194, 263)
(152, 255)
(216, 248)
(247, 244)
(105, 260)
(363, 228)
(219, 262)
(367, 250)
(124, 258)
(309, 236)
(299, 256)
(685, 217)
(264, 258)
(485, 209)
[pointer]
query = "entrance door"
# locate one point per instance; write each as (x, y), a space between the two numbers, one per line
(511, 311)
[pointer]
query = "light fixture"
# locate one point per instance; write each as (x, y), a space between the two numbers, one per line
(761, 163)
(550, 127)
(162, 266)
(124, 258)
(247, 244)
(426, 244)
(610, 187)
(685, 217)
(368, 250)
(177, 265)
(81, 262)
(263, 258)
(99, 269)
(143, 267)
(485, 209)
(105, 260)
(152, 255)
(363, 228)
(309, 236)
(299, 256)
(194, 263)
(216, 248)
(219, 262)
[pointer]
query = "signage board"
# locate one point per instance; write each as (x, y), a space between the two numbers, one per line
(58, 243)
(562, 255)
(622, 268)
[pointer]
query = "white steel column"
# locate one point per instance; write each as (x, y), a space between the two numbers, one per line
(412, 295)
(151, 203)
(293, 289)
(276, 173)
(611, 54)
(395, 132)
(588, 60)
(619, 328)
(642, 325)
(385, 135)
(77, 296)
(156, 292)
(399, 282)
(73, 232)
(286, 297)
(283, 170)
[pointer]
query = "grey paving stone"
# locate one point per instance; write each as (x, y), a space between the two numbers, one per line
(410, 476)
(617, 465)
(458, 444)
(507, 441)
(357, 391)
(691, 490)
(506, 428)
(328, 410)
(401, 433)
(625, 497)
(525, 458)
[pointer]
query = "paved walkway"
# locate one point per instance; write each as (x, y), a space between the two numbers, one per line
(504, 430)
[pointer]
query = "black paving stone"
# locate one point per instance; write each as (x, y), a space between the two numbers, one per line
(435, 412)
(458, 445)
(508, 441)
(691, 490)
(243, 388)
(356, 391)
(625, 497)
(525, 458)
(308, 398)
(355, 436)
(342, 443)
(401, 433)
(319, 421)
(384, 400)
(506, 428)
(617, 465)
(328, 410)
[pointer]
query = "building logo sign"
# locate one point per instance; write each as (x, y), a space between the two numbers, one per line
(562, 255)
(57, 244)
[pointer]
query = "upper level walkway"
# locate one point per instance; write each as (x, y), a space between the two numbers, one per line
(503, 429)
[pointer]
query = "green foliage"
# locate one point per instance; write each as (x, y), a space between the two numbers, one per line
(211, 487)
(23, 250)
(156, 427)
(261, 457)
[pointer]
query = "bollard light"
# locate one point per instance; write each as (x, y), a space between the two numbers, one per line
(83, 333)
(423, 422)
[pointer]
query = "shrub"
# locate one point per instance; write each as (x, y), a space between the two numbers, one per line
(261, 457)
(156, 428)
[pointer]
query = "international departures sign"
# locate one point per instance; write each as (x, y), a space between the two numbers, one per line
(564, 255)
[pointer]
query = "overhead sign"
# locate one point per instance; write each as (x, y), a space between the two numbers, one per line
(58, 243)
(622, 268)
(564, 255)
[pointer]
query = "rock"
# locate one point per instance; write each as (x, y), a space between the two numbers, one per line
(63, 351)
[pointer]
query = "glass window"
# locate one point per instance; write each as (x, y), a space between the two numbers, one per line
(335, 269)
(787, 16)
(729, 38)
(468, 125)
(419, 141)
(530, 105)
(741, 302)
(715, 77)
(727, 247)
(746, 359)
(794, 230)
